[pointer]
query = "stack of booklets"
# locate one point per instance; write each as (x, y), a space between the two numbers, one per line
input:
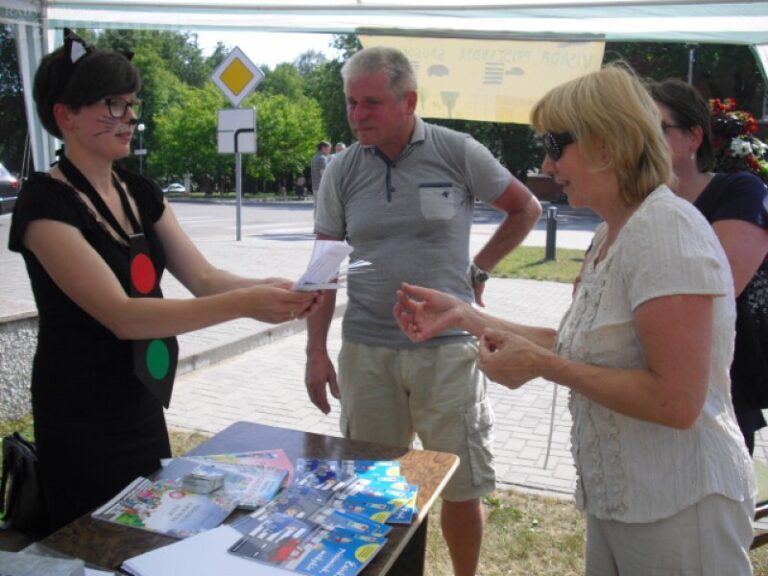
(170, 506)
(332, 520)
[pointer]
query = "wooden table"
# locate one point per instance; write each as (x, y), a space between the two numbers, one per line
(107, 545)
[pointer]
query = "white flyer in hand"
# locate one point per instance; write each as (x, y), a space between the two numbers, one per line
(323, 269)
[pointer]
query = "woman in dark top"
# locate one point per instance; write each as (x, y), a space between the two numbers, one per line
(736, 204)
(96, 240)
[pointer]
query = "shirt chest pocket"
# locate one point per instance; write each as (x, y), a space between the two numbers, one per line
(438, 200)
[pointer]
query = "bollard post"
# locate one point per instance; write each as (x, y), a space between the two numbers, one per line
(551, 233)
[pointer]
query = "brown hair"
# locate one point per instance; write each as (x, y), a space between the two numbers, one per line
(96, 75)
(689, 109)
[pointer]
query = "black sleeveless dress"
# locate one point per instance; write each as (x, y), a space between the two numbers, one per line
(97, 427)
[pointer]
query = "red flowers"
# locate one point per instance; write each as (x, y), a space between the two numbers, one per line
(737, 149)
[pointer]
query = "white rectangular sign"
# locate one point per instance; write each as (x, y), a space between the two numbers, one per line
(237, 131)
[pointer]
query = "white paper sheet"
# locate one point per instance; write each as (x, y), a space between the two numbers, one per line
(324, 265)
(204, 554)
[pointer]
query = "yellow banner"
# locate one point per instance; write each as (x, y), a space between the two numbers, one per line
(489, 80)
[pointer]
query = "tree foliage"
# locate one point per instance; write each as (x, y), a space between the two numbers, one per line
(179, 51)
(325, 85)
(284, 80)
(288, 131)
(13, 119)
(303, 102)
(181, 115)
(719, 71)
(186, 138)
(308, 62)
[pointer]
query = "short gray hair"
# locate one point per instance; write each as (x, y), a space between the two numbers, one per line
(385, 59)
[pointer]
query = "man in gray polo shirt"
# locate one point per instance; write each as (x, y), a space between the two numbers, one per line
(403, 197)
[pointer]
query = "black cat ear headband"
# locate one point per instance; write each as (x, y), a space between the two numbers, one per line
(75, 48)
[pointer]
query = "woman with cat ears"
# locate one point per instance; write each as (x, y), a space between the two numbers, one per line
(96, 239)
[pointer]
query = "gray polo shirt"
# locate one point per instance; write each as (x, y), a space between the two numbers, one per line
(411, 219)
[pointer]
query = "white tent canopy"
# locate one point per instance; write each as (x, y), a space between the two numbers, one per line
(742, 22)
(699, 21)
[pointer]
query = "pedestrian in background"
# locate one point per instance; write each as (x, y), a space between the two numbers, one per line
(338, 149)
(319, 164)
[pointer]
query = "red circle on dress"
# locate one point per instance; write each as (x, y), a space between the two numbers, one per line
(143, 273)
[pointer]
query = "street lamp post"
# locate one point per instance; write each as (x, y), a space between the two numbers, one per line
(141, 151)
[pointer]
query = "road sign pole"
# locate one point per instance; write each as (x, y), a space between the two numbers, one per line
(239, 191)
(237, 76)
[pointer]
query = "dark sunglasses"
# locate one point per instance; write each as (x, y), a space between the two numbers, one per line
(554, 144)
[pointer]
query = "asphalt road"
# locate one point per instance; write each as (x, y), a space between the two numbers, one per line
(213, 223)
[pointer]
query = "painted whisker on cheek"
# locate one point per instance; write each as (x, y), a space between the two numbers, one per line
(108, 123)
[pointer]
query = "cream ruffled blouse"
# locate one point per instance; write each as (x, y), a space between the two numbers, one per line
(630, 470)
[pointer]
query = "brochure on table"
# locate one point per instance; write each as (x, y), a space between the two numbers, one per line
(248, 485)
(331, 520)
(166, 508)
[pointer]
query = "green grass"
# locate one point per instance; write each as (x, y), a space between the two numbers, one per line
(529, 262)
(525, 535)
(23, 425)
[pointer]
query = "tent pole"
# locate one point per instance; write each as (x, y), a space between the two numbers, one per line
(691, 61)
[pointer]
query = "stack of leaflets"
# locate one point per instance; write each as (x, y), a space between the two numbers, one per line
(322, 474)
(276, 458)
(332, 520)
(371, 488)
(381, 480)
(166, 507)
(250, 486)
(185, 499)
(303, 546)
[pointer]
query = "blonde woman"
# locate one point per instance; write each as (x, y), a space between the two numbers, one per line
(644, 350)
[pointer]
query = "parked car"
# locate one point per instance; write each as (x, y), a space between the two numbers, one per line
(175, 188)
(9, 189)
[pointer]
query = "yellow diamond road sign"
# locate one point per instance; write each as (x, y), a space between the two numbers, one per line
(237, 76)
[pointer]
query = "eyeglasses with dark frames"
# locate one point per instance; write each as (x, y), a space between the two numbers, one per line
(118, 107)
(554, 144)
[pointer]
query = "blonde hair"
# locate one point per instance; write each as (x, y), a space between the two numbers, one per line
(610, 110)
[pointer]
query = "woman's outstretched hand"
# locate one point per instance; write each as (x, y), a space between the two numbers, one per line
(276, 302)
(509, 359)
(423, 313)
